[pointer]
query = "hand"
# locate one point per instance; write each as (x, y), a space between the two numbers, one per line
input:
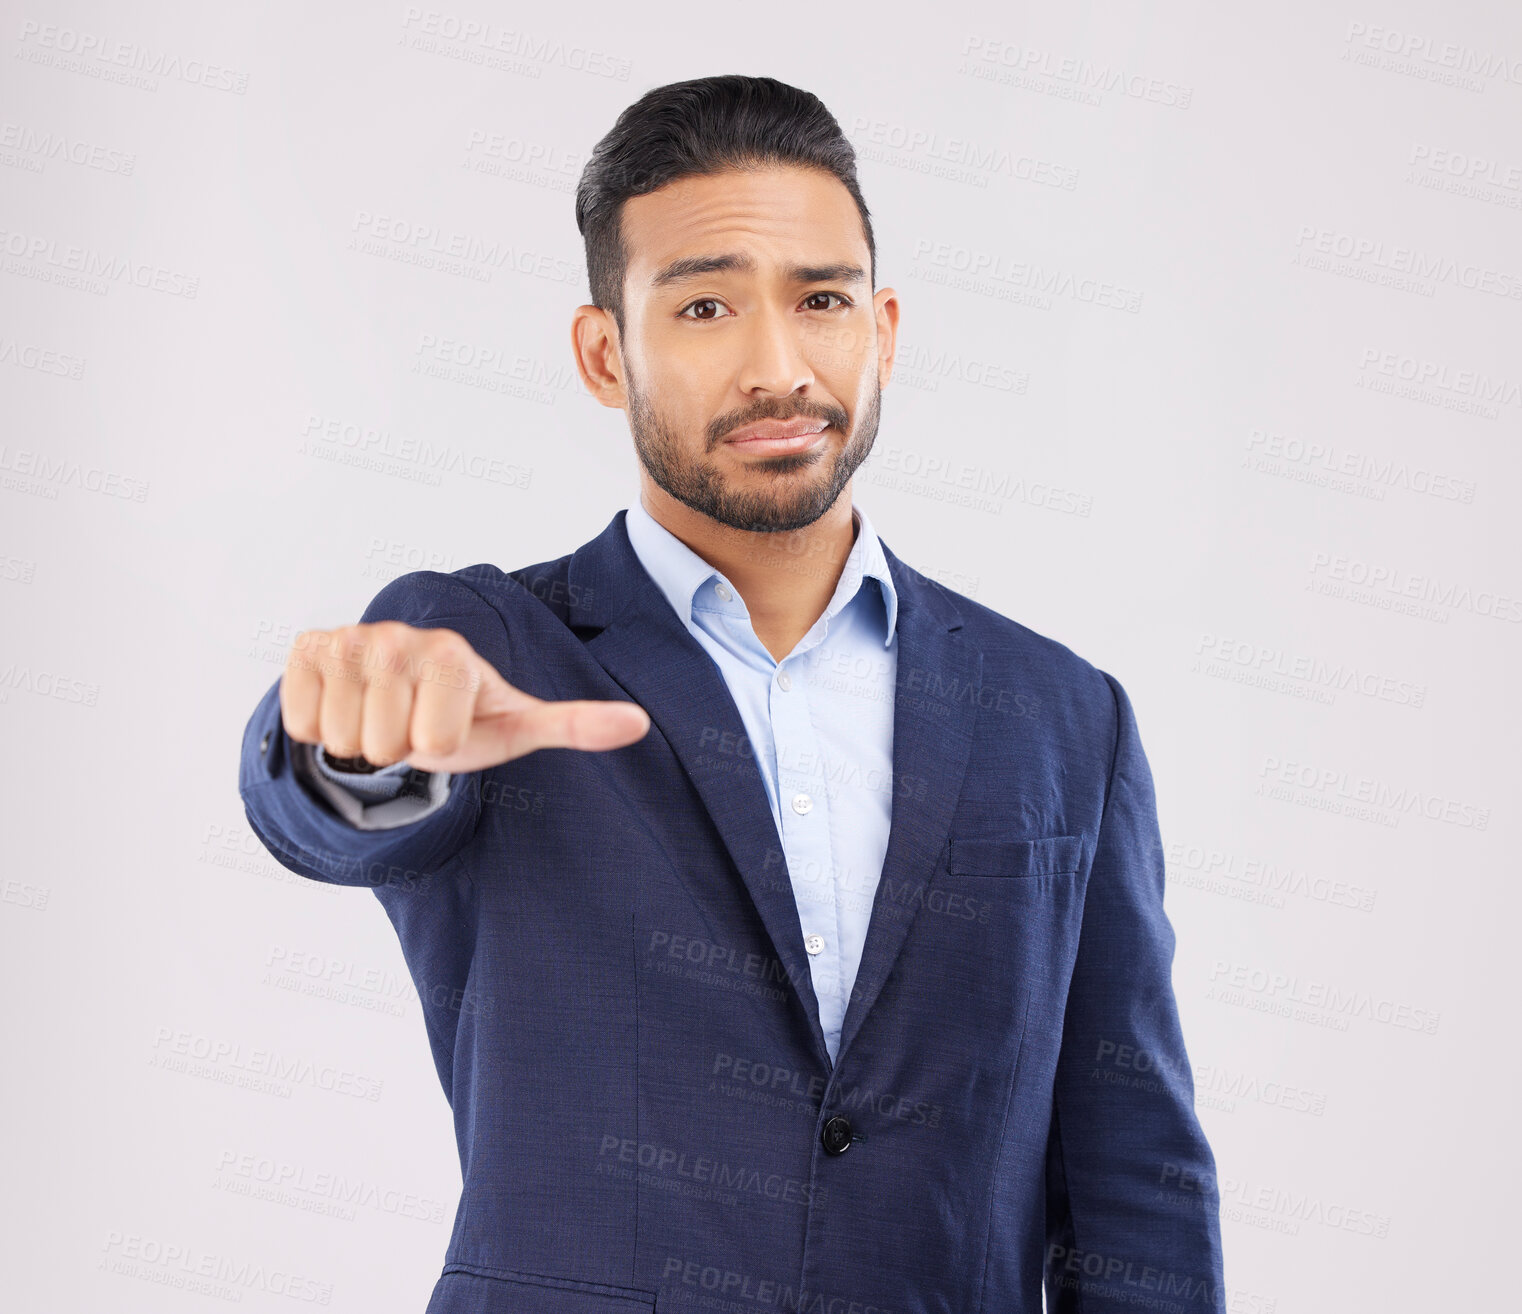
(393, 692)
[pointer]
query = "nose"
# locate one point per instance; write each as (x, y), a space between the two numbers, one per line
(775, 360)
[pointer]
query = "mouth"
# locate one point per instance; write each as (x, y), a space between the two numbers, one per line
(773, 439)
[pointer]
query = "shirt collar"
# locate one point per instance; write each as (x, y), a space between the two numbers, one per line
(680, 573)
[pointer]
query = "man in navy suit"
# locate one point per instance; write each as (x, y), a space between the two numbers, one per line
(788, 928)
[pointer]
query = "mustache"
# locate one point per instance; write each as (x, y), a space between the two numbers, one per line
(831, 416)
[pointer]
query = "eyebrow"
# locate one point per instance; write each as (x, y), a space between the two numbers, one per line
(690, 267)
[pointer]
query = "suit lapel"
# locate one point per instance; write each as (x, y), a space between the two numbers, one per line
(647, 650)
(650, 653)
(934, 707)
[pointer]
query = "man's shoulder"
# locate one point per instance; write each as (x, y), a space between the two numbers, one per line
(1002, 638)
(472, 589)
(1014, 650)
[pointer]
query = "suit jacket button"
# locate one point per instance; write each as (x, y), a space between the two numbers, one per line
(836, 1135)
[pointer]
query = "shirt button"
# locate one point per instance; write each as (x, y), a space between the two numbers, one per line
(802, 803)
(723, 592)
(814, 943)
(784, 681)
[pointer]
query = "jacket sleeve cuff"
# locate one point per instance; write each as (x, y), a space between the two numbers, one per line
(397, 795)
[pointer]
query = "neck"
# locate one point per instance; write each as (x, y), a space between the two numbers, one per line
(786, 579)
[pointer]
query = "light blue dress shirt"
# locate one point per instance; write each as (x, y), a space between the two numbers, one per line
(820, 723)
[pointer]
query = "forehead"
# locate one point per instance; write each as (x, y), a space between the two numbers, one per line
(780, 217)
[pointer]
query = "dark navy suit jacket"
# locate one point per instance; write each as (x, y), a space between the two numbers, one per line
(618, 1000)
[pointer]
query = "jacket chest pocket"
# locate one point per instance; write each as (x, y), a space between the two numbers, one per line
(1048, 855)
(477, 1289)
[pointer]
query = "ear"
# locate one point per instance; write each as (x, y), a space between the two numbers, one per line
(885, 304)
(595, 348)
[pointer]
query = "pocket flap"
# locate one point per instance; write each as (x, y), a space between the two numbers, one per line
(1049, 855)
(476, 1289)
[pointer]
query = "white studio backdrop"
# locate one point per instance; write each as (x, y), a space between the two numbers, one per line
(1209, 368)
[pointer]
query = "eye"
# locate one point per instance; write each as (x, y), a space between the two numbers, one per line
(845, 304)
(706, 301)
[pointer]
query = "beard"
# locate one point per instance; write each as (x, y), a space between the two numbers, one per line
(791, 503)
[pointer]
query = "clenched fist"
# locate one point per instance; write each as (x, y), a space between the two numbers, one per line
(391, 692)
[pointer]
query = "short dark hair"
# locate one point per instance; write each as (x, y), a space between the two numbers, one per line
(702, 126)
